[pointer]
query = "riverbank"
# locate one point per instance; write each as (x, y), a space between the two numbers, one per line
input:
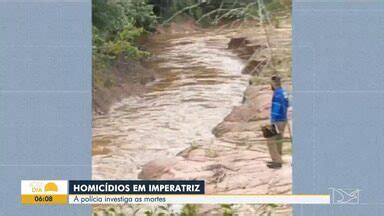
(132, 78)
(234, 162)
(123, 80)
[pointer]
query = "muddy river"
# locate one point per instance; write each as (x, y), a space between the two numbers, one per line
(199, 82)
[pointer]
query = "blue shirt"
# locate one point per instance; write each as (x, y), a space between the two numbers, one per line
(279, 105)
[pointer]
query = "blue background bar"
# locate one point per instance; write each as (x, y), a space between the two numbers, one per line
(45, 98)
(338, 75)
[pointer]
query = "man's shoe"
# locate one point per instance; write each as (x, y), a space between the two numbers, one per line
(270, 162)
(274, 165)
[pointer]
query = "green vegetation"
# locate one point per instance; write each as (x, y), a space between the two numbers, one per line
(118, 23)
(161, 210)
(215, 11)
(116, 26)
(187, 210)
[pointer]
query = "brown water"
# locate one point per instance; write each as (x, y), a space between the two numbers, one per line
(200, 82)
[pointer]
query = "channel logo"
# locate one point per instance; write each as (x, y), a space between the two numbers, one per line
(44, 192)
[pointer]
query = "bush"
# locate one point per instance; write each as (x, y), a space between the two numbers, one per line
(116, 26)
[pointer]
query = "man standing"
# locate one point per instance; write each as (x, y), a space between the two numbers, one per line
(279, 119)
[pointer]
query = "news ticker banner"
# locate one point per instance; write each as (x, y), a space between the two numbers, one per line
(145, 192)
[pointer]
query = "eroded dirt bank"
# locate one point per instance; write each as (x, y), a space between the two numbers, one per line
(124, 79)
(234, 162)
(132, 78)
